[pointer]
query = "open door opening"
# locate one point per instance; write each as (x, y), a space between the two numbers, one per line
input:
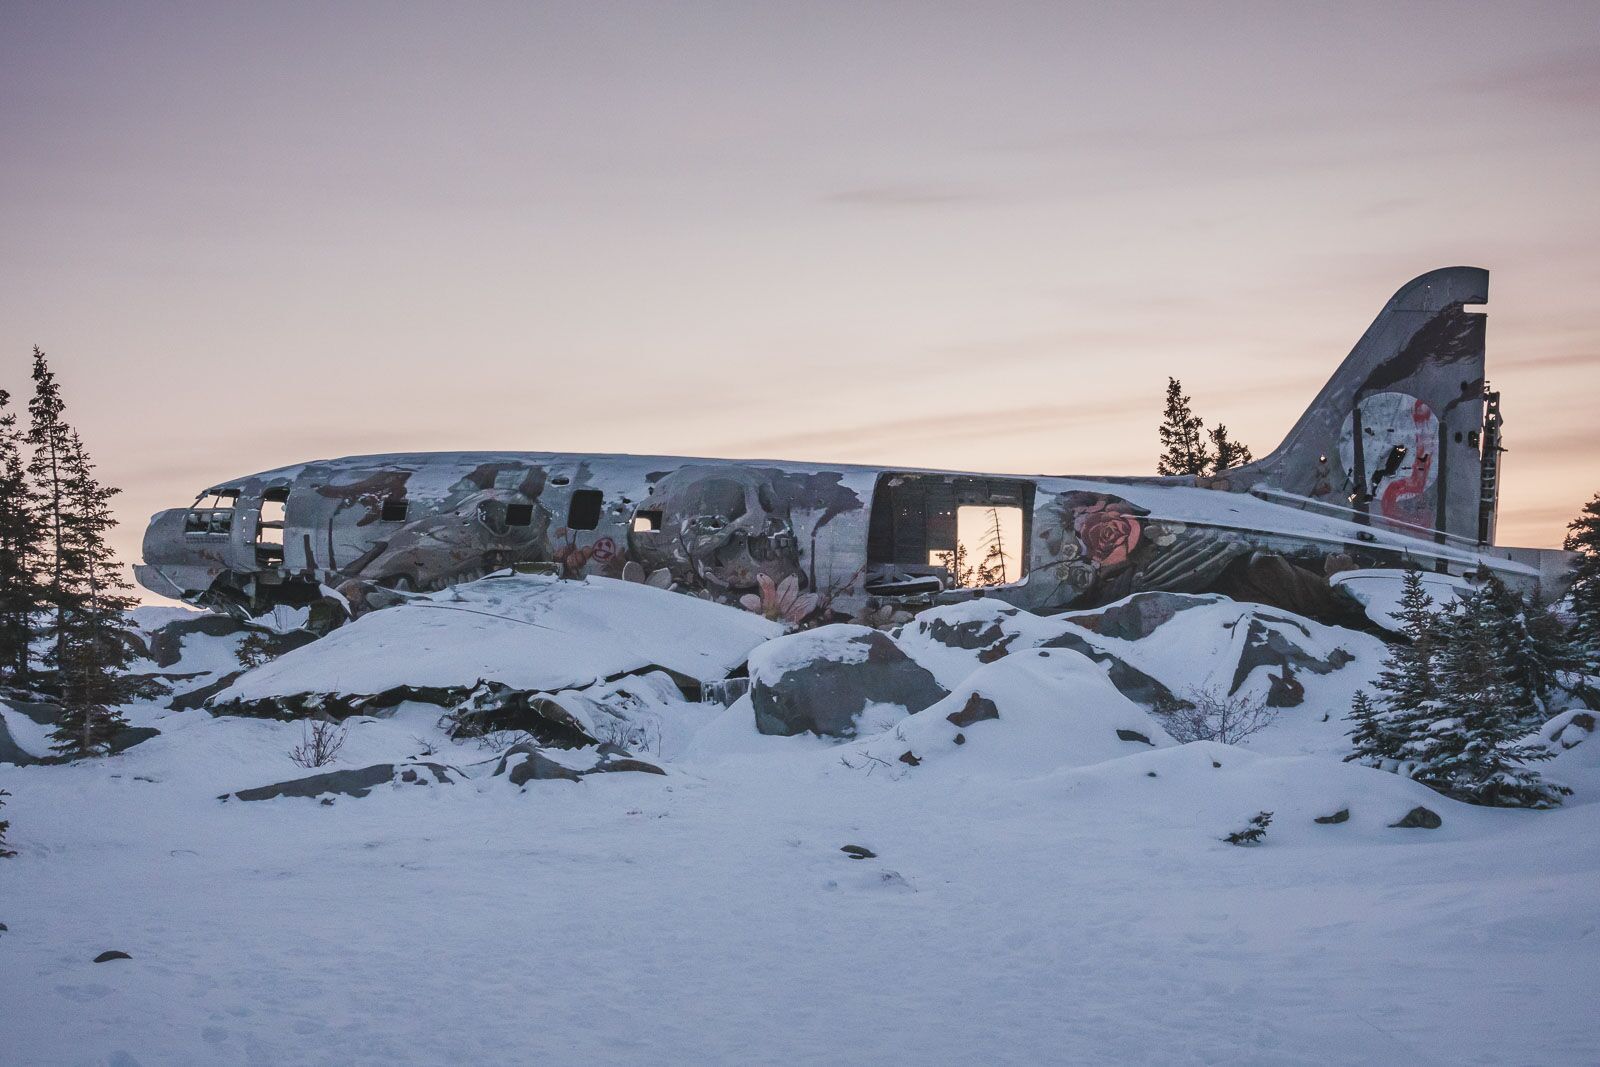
(269, 528)
(931, 532)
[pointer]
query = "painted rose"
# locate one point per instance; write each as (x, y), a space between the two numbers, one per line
(1108, 530)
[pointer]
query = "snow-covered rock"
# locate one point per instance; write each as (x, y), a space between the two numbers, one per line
(1161, 649)
(1025, 714)
(530, 633)
(822, 680)
(357, 782)
(1379, 592)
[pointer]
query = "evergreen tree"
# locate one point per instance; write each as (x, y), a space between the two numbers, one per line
(1470, 747)
(19, 543)
(1534, 651)
(1583, 537)
(1226, 453)
(94, 643)
(1405, 685)
(49, 437)
(1183, 447)
(1372, 738)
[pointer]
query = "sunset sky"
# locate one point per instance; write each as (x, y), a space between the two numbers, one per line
(969, 236)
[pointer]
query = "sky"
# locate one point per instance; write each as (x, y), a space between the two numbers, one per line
(973, 236)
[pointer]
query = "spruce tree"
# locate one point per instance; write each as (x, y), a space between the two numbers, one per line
(49, 437)
(1583, 537)
(95, 645)
(19, 543)
(1470, 747)
(1226, 453)
(1183, 447)
(1533, 649)
(1405, 685)
(1372, 739)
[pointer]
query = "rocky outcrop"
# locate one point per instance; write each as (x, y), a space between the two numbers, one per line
(524, 763)
(1139, 616)
(352, 783)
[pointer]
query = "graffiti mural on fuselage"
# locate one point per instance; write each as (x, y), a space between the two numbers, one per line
(1385, 468)
(720, 531)
(788, 541)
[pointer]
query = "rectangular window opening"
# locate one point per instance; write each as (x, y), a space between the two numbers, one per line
(519, 514)
(395, 510)
(646, 521)
(584, 511)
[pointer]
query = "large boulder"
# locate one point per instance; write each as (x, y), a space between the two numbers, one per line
(821, 680)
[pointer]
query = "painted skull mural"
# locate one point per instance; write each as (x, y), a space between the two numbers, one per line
(722, 529)
(471, 529)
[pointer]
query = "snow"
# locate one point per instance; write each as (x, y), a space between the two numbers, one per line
(1044, 892)
(1379, 592)
(527, 631)
(32, 737)
(1056, 709)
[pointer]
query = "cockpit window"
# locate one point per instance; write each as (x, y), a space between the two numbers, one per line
(212, 514)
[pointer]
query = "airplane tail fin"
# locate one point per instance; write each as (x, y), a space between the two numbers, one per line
(1398, 436)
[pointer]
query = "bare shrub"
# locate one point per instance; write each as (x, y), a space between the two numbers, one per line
(500, 740)
(641, 734)
(1211, 715)
(320, 742)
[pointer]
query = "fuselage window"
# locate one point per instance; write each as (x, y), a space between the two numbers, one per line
(646, 521)
(395, 510)
(584, 511)
(519, 514)
(212, 513)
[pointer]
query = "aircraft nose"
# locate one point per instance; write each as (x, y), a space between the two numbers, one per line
(175, 565)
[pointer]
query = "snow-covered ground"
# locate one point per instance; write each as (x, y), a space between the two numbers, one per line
(1041, 892)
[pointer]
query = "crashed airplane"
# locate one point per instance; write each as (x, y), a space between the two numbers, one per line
(1394, 465)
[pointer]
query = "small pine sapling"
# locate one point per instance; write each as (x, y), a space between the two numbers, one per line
(1254, 832)
(1372, 739)
(254, 650)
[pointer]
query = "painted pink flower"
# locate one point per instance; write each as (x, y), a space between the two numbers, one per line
(1108, 530)
(782, 602)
